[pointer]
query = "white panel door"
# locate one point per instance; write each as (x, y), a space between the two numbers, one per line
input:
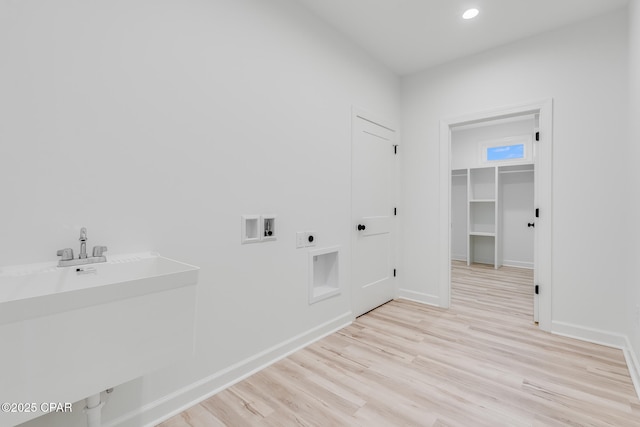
(373, 183)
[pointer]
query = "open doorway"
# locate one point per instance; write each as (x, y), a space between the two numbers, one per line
(492, 212)
(484, 221)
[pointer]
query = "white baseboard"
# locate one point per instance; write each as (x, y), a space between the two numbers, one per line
(419, 297)
(519, 264)
(596, 336)
(481, 260)
(506, 262)
(606, 338)
(634, 366)
(162, 409)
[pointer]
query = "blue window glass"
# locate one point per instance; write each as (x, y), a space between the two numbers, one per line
(506, 152)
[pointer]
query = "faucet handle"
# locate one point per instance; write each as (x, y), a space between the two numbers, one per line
(66, 254)
(98, 250)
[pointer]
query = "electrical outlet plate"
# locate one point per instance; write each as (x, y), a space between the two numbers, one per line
(311, 238)
(305, 239)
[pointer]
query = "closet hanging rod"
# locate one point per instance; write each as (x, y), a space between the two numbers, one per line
(518, 171)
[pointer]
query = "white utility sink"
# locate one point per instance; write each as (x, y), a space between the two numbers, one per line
(67, 333)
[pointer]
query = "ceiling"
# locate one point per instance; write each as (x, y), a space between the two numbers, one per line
(411, 35)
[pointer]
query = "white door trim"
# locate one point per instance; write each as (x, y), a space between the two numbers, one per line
(544, 188)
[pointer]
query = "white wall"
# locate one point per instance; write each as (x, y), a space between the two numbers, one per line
(157, 124)
(584, 69)
(633, 329)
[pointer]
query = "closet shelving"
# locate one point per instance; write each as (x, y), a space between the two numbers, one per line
(482, 212)
(479, 227)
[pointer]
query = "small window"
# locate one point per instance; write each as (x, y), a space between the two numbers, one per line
(505, 152)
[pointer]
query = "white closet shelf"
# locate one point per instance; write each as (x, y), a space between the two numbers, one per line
(529, 167)
(482, 233)
(482, 201)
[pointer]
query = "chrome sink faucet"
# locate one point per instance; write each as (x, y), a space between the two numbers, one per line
(66, 254)
(83, 243)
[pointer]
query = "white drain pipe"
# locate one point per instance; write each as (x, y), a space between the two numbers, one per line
(93, 410)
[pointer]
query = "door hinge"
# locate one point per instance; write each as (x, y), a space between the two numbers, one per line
(394, 272)
(537, 212)
(537, 289)
(537, 136)
(395, 149)
(395, 211)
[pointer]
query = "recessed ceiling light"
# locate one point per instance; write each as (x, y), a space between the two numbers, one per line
(470, 13)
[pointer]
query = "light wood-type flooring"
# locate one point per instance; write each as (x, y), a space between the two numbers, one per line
(481, 363)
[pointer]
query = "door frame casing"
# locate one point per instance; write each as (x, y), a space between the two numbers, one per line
(543, 187)
(356, 113)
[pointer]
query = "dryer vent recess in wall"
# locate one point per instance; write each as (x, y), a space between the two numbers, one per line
(324, 273)
(258, 228)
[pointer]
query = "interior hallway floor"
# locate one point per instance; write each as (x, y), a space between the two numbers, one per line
(481, 363)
